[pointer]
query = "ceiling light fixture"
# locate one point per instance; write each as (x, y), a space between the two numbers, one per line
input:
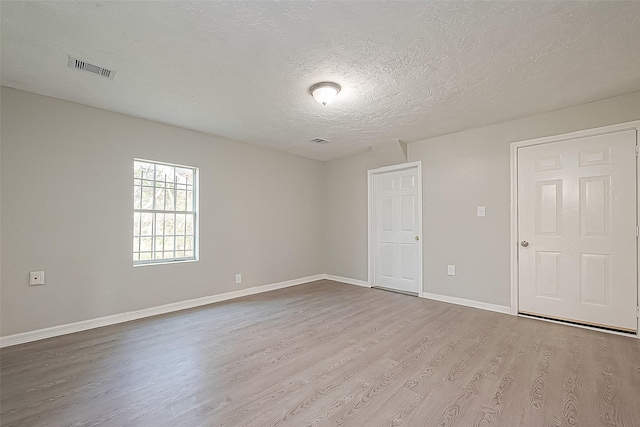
(324, 92)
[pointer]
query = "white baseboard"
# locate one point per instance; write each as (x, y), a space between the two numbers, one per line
(347, 280)
(443, 298)
(84, 325)
(468, 303)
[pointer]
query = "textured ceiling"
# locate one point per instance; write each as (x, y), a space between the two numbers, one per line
(409, 70)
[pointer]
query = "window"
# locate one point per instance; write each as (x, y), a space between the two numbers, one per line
(164, 212)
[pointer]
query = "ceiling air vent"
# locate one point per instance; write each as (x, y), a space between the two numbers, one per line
(320, 141)
(78, 64)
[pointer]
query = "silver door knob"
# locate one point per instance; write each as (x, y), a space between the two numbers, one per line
(417, 237)
(524, 243)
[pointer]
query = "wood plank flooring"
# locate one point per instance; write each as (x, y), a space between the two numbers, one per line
(325, 354)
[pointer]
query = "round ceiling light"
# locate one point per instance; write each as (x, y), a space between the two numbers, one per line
(324, 92)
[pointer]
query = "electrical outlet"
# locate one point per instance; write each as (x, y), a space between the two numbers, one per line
(481, 211)
(238, 279)
(36, 278)
(451, 270)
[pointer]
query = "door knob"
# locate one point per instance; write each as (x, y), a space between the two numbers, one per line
(524, 243)
(417, 237)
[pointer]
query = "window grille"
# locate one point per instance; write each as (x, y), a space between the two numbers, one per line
(164, 212)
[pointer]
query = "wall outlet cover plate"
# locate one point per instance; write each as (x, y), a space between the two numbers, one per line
(36, 278)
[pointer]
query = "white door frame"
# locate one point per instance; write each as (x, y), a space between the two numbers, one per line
(371, 174)
(635, 125)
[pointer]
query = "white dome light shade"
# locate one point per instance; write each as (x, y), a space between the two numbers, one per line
(324, 92)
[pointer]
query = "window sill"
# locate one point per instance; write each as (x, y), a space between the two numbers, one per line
(178, 261)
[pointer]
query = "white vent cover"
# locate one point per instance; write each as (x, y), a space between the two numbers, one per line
(78, 64)
(320, 141)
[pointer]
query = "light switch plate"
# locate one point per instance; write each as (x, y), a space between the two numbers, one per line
(451, 270)
(36, 278)
(481, 211)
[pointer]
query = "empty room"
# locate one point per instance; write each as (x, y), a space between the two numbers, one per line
(319, 213)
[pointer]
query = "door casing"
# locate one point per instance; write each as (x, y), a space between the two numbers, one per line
(514, 241)
(371, 174)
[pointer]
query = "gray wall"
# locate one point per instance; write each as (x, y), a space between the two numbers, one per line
(346, 215)
(66, 192)
(66, 176)
(460, 171)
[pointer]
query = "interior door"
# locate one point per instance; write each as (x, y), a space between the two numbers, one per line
(577, 230)
(396, 230)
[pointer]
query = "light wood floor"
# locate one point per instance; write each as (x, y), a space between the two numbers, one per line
(325, 354)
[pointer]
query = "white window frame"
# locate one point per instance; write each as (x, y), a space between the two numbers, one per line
(194, 212)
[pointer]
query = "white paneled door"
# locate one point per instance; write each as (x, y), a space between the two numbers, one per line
(577, 230)
(396, 230)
